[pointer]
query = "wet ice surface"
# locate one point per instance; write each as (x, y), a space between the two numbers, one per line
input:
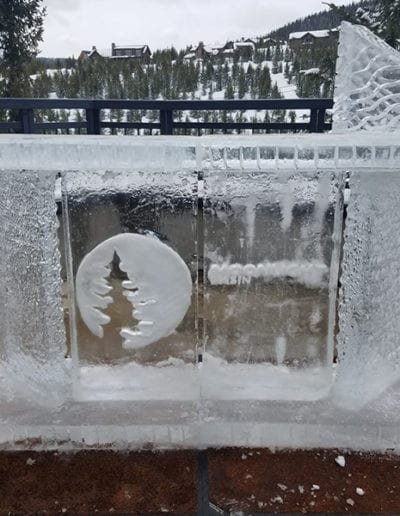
(269, 258)
(266, 376)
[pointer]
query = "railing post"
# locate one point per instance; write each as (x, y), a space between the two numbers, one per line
(93, 120)
(321, 120)
(27, 121)
(314, 121)
(166, 121)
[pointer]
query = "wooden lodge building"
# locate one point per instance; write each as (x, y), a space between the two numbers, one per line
(141, 53)
(230, 49)
(298, 40)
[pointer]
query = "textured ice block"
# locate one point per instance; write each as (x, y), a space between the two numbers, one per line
(32, 336)
(369, 339)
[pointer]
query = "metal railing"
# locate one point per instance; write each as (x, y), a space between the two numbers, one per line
(25, 115)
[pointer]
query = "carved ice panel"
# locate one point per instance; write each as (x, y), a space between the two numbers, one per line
(367, 85)
(131, 241)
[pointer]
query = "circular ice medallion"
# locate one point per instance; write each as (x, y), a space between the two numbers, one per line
(159, 287)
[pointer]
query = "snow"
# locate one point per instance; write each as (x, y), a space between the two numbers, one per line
(127, 47)
(341, 461)
(316, 33)
(244, 44)
(310, 71)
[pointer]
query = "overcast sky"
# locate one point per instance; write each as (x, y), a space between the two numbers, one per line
(73, 25)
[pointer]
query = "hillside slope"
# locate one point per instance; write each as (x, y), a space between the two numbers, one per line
(317, 21)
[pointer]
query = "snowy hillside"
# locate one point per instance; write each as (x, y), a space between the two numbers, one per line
(266, 69)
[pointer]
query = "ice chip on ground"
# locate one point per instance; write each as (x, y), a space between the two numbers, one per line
(367, 84)
(350, 501)
(341, 461)
(360, 491)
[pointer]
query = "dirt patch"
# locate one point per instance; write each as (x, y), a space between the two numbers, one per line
(248, 480)
(102, 482)
(252, 480)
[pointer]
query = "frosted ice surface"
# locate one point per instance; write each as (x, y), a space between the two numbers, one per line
(369, 343)
(32, 337)
(159, 287)
(367, 85)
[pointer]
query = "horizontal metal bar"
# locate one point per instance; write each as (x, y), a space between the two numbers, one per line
(11, 125)
(130, 125)
(59, 125)
(240, 125)
(22, 103)
(182, 105)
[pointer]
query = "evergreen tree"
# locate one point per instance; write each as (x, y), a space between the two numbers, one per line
(264, 85)
(380, 16)
(229, 92)
(21, 30)
(388, 21)
(242, 84)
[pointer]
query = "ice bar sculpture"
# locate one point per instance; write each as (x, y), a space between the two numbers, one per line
(215, 291)
(250, 230)
(367, 84)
